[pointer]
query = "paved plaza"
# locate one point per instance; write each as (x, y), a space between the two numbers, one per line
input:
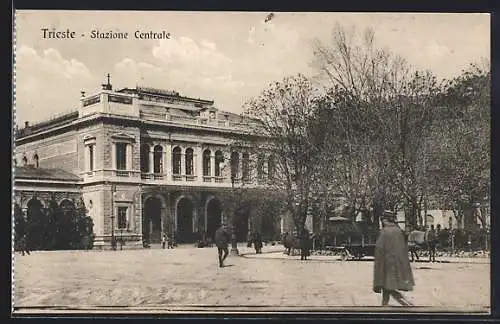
(188, 278)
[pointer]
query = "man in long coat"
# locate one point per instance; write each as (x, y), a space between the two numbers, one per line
(222, 238)
(392, 270)
(257, 242)
(305, 242)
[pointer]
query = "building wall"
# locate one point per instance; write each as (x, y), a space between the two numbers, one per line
(59, 151)
(69, 151)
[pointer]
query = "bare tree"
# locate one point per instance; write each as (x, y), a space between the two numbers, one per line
(284, 112)
(381, 110)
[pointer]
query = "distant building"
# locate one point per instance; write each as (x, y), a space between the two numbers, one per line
(145, 161)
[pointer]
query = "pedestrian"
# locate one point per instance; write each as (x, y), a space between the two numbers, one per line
(222, 238)
(163, 240)
(174, 239)
(304, 242)
(431, 243)
(24, 245)
(392, 271)
(170, 241)
(249, 239)
(257, 242)
(412, 244)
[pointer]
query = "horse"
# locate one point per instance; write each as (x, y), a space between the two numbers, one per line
(291, 244)
(421, 241)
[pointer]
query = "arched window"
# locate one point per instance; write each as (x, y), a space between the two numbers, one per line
(144, 158)
(206, 163)
(245, 172)
(176, 160)
(271, 167)
(35, 160)
(219, 159)
(158, 159)
(189, 161)
(235, 164)
(25, 160)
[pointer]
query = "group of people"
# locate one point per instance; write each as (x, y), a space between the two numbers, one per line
(167, 241)
(301, 242)
(420, 239)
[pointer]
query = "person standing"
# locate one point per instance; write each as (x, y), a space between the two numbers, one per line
(163, 240)
(412, 244)
(304, 244)
(431, 243)
(257, 242)
(222, 238)
(392, 271)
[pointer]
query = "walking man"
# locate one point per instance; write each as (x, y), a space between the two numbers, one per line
(222, 238)
(392, 271)
(412, 244)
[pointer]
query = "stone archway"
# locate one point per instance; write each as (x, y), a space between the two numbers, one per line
(184, 220)
(36, 219)
(213, 212)
(152, 220)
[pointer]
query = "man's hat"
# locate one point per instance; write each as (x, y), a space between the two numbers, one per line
(389, 215)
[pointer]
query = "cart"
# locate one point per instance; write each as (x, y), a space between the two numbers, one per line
(356, 247)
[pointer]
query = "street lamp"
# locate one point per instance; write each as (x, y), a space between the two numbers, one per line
(234, 245)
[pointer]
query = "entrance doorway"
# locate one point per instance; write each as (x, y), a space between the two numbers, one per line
(184, 221)
(214, 217)
(151, 220)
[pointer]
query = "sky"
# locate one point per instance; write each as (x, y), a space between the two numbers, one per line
(228, 57)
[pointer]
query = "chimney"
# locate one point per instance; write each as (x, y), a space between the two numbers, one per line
(26, 124)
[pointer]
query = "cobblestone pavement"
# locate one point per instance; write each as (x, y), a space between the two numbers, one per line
(187, 277)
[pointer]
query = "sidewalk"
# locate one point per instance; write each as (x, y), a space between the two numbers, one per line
(277, 252)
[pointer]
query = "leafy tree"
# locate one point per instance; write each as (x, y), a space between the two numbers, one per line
(37, 225)
(20, 226)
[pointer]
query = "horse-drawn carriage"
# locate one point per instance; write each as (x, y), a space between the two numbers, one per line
(349, 240)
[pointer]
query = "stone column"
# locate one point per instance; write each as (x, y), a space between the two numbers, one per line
(151, 159)
(86, 160)
(183, 161)
(167, 163)
(94, 158)
(212, 163)
(129, 157)
(198, 171)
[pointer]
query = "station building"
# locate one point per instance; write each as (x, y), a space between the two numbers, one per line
(145, 161)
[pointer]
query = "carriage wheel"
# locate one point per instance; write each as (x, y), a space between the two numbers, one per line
(343, 256)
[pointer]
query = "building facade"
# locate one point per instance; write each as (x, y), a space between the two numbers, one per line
(145, 162)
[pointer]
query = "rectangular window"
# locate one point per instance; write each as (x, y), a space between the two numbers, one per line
(122, 217)
(91, 157)
(121, 156)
